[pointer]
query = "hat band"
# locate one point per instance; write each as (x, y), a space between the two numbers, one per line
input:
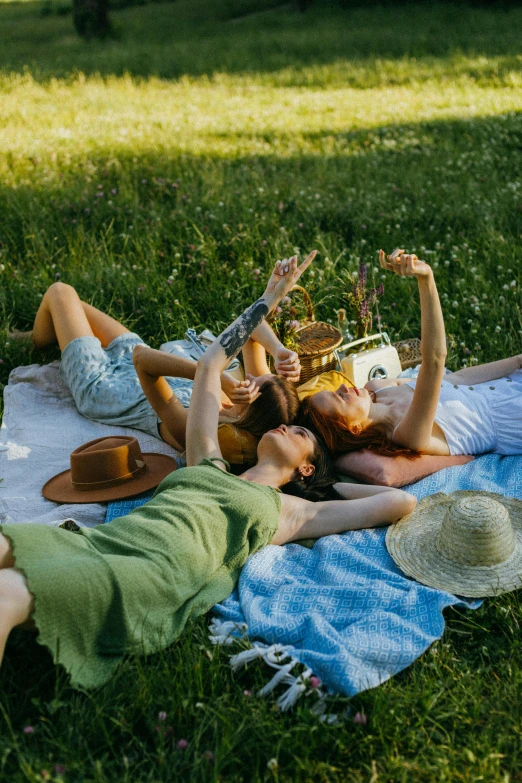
(85, 486)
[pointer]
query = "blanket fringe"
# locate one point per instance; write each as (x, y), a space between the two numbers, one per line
(275, 655)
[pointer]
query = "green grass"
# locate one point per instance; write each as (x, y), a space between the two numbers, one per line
(155, 172)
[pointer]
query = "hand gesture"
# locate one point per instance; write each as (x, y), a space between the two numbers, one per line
(404, 264)
(285, 275)
(287, 364)
(240, 392)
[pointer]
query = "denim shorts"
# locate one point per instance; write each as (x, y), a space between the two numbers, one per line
(105, 386)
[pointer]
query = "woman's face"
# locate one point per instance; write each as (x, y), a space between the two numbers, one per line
(352, 405)
(293, 445)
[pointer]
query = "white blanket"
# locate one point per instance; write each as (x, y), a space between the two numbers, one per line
(40, 428)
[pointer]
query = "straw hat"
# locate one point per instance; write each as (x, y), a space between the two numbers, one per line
(468, 543)
(108, 469)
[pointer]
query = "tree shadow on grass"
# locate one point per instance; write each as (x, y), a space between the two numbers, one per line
(447, 183)
(324, 47)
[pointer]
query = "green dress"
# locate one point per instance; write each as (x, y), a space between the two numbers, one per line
(130, 586)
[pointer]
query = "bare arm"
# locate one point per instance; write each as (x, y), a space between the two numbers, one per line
(151, 367)
(487, 372)
(368, 507)
(202, 423)
(415, 430)
(286, 361)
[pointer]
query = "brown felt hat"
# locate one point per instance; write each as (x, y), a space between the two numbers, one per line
(108, 469)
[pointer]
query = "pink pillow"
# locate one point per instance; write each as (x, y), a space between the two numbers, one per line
(372, 468)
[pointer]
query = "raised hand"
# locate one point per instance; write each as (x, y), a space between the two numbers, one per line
(240, 392)
(287, 364)
(404, 264)
(285, 275)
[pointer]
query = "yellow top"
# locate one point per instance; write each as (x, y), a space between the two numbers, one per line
(326, 381)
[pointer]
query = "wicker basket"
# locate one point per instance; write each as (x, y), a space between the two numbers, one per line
(317, 342)
(409, 352)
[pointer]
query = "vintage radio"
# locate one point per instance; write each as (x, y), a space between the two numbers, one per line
(377, 358)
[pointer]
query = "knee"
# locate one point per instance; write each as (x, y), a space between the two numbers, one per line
(16, 601)
(6, 552)
(61, 291)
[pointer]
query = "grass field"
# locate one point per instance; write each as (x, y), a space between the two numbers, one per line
(155, 172)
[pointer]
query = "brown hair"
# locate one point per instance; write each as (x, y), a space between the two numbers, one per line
(339, 438)
(277, 404)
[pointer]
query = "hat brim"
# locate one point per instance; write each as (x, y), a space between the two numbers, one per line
(60, 489)
(412, 545)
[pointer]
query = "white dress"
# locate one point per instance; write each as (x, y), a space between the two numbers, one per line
(482, 417)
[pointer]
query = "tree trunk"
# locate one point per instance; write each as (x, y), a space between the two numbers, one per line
(91, 18)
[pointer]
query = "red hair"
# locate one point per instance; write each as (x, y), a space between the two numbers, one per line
(339, 438)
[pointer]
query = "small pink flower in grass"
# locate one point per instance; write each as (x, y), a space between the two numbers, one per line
(114, 191)
(363, 225)
(360, 717)
(281, 205)
(59, 769)
(247, 694)
(315, 682)
(169, 282)
(301, 225)
(1, 361)
(182, 744)
(256, 272)
(264, 242)
(209, 756)
(278, 309)
(28, 729)
(294, 324)
(57, 274)
(162, 715)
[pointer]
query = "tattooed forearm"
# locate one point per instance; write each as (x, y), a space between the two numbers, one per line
(234, 338)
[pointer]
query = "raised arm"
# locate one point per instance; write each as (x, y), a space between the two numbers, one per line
(202, 423)
(363, 507)
(415, 430)
(286, 361)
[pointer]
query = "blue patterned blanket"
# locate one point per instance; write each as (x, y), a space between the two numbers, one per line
(343, 608)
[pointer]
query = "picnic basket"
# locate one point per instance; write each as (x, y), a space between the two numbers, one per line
(317, 342)
(409, 352)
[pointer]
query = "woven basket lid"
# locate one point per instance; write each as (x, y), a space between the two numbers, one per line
(468, 543)
(317, 338)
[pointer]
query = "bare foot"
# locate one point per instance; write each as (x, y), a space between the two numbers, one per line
(16, 334)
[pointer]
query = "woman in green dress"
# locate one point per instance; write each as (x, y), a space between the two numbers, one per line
(130, 586)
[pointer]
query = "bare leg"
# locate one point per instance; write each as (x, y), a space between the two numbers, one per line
(16, 603)
(62, 317)
(6, 553)
(105, 327)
